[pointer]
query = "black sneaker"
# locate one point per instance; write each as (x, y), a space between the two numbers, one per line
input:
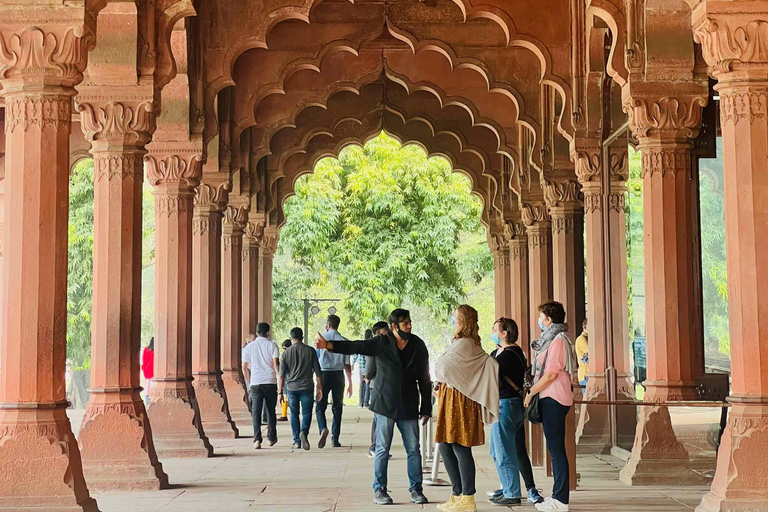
(381, 497)
(335, 444)
(323, 438)
(418, 497)
(507, 502)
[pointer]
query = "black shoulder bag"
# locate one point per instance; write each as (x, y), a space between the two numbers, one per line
(533, 413)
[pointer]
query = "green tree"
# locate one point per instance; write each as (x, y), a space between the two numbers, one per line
(383, 227)
(80, 278)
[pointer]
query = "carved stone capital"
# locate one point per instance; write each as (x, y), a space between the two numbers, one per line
(560, 192)
(45, 44)
(534, 212)
(127, 122)
(514, 229)
(268, 245)
(211, 197)
(182, 169)
(667, 115)
(732, 42)
(586, 155)
(518, 248)
(253, 233)
(109, 166)
(234, 220)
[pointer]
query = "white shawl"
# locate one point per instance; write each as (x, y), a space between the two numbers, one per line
(474, 373)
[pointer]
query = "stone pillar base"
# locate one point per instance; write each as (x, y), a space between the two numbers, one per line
(537, 447)
(658, 458)
(116, 444)
(175, 419)
(741, 479)
(212, 401)
(237, 398)
(593, 434)
(41, 462)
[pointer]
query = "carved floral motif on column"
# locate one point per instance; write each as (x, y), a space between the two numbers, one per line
(55, 50)
(252, 236)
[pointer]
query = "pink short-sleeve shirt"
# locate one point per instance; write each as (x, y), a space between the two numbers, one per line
(560, 389)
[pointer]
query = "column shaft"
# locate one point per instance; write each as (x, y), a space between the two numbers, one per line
(38, 453)
(250, 286)
(206, 348)
(730, 46)
(540, 291)
(673, 354)
(267, 250)
(173, 407)
(231, 315)
(519, 308)
(502, 277)
(115, 438)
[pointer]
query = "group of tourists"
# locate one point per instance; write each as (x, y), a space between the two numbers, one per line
(473, 389)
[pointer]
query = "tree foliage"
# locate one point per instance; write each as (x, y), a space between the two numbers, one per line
(80, 270)
(382, 227)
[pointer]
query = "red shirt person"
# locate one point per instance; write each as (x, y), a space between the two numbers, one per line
(148, 363)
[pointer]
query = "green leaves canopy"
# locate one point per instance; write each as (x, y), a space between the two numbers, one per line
(383, 223)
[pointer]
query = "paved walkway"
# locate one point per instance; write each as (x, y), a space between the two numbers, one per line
(278, 479)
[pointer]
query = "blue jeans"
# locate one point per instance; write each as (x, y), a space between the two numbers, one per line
(503, 444)
(409, 429)
(305, 399)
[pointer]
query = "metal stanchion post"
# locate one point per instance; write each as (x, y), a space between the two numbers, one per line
(434, 479)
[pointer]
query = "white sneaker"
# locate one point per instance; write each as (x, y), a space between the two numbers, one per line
(551, 504)
(257, 445)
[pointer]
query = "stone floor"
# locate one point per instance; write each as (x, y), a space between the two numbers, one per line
(277, 479)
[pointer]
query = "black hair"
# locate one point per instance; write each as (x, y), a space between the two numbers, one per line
(398, 316)
(262, 329)
(368, 334)
(151, 345)
(286, 343)
(380, 325)
(334, 321)
(509, 326)
(553, 310)
(297, 333)
(584, 325)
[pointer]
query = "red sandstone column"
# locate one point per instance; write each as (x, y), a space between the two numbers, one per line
(173, 407)
(538, 226)
(663, 126)
(518, 264)
(267, 250)
(231, 311)
(502, 273)
(732, 43)
(115, 437)
(568, 285)
(593, 430)
(250, 286)
(39, 456)
(206, 350)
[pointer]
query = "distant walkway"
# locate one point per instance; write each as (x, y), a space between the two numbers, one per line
(276, 479)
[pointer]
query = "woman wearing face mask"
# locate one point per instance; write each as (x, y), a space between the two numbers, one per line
(468, 392)
(552, 370)
(508, 434)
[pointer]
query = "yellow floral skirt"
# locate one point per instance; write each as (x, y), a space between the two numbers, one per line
(459, 419)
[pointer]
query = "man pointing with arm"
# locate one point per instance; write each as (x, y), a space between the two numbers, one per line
(401, 396)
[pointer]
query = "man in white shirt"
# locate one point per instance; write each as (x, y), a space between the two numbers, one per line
(261, 361)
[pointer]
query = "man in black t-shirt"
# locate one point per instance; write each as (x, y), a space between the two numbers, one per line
(508, 435)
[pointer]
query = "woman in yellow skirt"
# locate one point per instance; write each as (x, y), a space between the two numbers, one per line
(468, 392)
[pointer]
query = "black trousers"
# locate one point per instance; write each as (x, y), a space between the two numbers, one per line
(460, 466)
(523, 461)
(333, 384)
(264, 395)
(553, 421)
